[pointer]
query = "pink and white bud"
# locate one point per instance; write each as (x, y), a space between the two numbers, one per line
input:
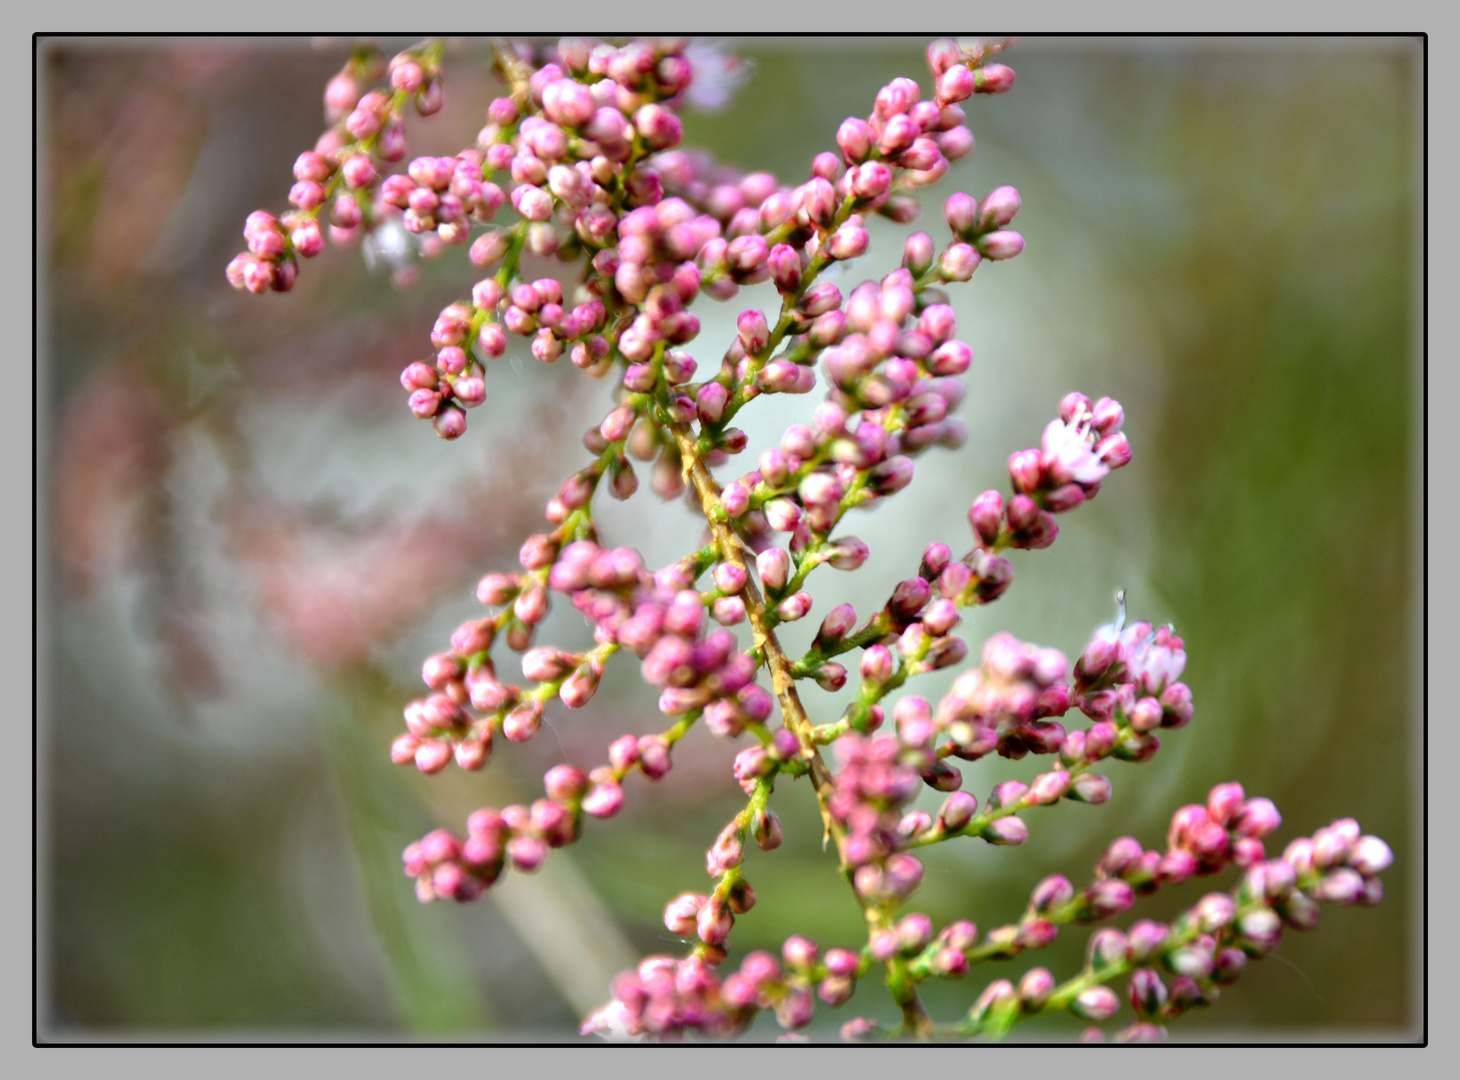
(603, 800)
(752, 331)
(1048, 788)
(847, 242)
(1370, 856)
(774, 567)
(1090, 788)
(1258, 818)
(1096, 1003)
(958, 263)
(1006, 831)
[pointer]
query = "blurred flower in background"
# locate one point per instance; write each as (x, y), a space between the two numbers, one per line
(252, 544)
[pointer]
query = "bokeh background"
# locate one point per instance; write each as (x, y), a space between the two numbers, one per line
(250, 545)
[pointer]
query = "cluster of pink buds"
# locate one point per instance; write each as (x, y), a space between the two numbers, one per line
(583, 148)
(342, 175)
(448, 868)
(1078, 451)
(665, 998)
(878, 777)
(1007, 702)
(1132, 674)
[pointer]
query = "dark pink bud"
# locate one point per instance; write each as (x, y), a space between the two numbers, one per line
(986, 517)
(767, 831)
(1114, 450)
(897, 134)
(746, 254)
(1063, 498)
(892, 475)
(1098, 1002)
(403, 749)
(1370, 856)
(307, 195)
(1109, 897)
(564, 783)
(654, 757)
(909, 597)
(450, 422)
(565, 101)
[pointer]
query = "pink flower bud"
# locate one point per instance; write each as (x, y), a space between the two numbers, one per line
(957, 810)
(998, 208)
(957, 83)
(986, 516)
(1096, 1003)
(774, 567)
(1006, 831)
(1258, 818)
(1090, 788)
(603, 800)
(958, 263)
(854, 137)
(847, 242)
(1004, 244)
(752, 331)
(993, 79)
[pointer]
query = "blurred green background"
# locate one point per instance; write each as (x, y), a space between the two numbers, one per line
(252, 545)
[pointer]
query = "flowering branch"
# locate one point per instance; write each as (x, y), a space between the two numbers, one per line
(584, 149)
